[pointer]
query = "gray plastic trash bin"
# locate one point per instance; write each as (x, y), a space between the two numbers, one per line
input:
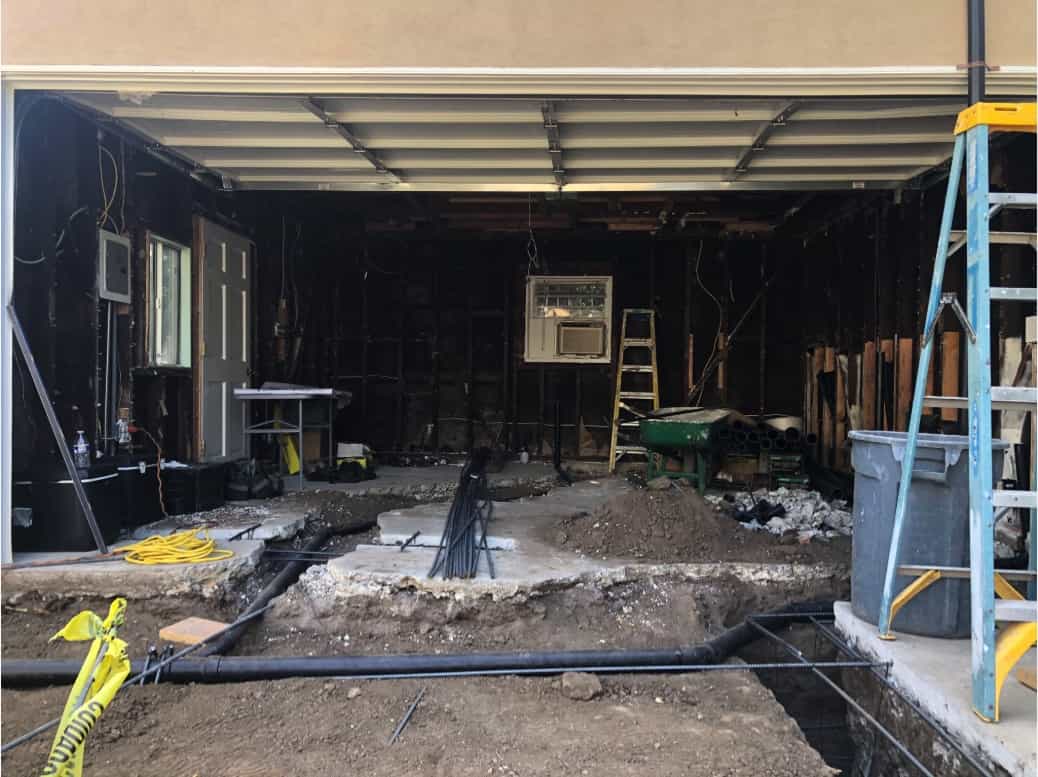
(936, 530)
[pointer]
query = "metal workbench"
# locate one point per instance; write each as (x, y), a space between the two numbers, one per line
(281, 393)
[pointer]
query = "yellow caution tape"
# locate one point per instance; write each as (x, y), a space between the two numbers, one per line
(103, 672)
(185, 547)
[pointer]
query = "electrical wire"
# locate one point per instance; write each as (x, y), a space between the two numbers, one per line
(464, 535)
(720, 313)
(282, 255)
(58, 250)
(122, 205)
(158, 465)
(108, 202)
(185, 547)
(532, 259)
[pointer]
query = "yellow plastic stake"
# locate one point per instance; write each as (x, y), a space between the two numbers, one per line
(1013, 642)
(999, 117)
(910, 591)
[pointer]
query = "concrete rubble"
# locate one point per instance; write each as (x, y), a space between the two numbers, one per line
(807, 512)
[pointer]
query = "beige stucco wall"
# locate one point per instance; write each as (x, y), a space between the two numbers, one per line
(509, 33)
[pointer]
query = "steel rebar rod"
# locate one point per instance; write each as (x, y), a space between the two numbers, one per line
(799, 656)
(407, 716)
(650, 669)
(856, 655)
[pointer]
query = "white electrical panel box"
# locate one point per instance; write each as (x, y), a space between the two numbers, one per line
(113, 267)
(569, 319)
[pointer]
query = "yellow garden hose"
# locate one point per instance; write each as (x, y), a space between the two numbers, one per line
(185, 547)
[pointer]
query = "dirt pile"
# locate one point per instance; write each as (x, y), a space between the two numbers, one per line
(677, 525)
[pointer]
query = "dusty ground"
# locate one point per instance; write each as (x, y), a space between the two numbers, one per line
(710, 724)
(707, 725)
(677, 525)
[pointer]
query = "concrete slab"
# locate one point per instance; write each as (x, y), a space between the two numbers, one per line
(376, 570)
(272, 525)
(526, 562)
(119, 578)
(396, 531)
(513, 523)
(439, 481)
(935, 673)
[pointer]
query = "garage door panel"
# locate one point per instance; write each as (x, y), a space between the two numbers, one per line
(445, 143)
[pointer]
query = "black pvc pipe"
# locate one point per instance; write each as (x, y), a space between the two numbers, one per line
(975, 51)
(215, 669)
(288, 575)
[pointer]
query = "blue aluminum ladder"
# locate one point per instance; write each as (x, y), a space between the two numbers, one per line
(992, 659)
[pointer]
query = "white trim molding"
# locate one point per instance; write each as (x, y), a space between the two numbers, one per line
(1007, 80)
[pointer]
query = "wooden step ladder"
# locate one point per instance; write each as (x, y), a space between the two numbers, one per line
(631, 404)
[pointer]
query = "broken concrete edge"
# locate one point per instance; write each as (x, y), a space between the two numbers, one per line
(274, 524)
(438, 491)
(319, 581)
(956, 720)
(206, 580)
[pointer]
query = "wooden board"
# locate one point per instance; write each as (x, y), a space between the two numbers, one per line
(950, 344)
(903, 397)
(817, 364)
(868, 386)
(828, 418)
(885, 419)
(840, 435)
(190, 631)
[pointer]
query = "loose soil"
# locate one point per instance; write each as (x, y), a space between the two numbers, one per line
(677, 525)
(724, 723)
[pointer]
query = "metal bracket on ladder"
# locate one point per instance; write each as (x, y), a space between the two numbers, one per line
(950, 299)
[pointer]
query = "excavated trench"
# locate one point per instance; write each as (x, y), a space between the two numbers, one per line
(657, 610)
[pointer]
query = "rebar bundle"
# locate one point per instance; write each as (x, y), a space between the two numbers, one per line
(464, 535)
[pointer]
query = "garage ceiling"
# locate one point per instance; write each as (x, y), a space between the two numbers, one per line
(576, 145)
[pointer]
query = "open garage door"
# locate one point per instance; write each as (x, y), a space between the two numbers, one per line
(563, 145)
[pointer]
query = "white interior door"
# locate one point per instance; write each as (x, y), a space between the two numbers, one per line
(225, 339)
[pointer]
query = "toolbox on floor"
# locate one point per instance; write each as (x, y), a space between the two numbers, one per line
(191, 488)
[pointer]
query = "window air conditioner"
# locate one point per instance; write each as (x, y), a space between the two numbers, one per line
(569, 319)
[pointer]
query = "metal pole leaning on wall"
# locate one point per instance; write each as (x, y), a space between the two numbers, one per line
(55, 427)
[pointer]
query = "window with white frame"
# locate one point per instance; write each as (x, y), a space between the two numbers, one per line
(169, 303)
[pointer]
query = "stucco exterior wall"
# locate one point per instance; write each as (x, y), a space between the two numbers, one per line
(510, 33)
